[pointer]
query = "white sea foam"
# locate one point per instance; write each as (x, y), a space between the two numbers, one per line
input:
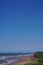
(4, 57)
(7, 62)
(9, 59)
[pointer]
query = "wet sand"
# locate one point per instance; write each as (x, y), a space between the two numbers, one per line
(24, 60)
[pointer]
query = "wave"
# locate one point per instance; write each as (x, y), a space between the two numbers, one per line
(4, 60)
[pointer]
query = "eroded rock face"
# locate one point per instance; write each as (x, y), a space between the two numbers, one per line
(35, 55)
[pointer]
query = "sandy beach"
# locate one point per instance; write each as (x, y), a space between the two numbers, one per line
(24, 60)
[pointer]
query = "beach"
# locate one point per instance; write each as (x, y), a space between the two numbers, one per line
(15, 59)
(24, 60)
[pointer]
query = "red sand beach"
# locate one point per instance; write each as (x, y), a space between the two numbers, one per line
(24, 60)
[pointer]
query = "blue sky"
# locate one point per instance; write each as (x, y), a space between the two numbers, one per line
(21, 25)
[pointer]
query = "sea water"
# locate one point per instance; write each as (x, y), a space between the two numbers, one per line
(7, 58)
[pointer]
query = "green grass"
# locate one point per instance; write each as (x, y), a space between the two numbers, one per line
(34, 64)
(40, 55)
(38, 61)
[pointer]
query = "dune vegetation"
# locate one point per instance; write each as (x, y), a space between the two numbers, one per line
(38, 59)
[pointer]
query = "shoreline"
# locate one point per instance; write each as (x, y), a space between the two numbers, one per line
(24, 60)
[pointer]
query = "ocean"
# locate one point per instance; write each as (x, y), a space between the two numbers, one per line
(7, 58)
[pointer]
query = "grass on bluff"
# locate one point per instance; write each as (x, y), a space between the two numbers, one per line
(38, 61)
(40, 57)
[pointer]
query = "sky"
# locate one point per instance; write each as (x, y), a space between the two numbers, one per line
(21, 25)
